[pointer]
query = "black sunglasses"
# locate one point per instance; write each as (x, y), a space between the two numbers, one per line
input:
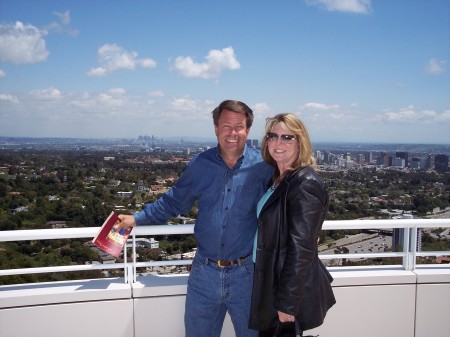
(273, 137)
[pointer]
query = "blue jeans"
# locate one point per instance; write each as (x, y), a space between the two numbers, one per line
(214, 290)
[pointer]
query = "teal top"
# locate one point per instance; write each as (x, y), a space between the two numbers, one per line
(259, 207)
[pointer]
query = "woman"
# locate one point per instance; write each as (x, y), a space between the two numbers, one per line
(290, 282)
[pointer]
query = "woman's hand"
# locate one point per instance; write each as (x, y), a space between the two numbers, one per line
(283, 317)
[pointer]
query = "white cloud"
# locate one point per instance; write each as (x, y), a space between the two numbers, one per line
(260, 108)
(320, 106)
(65, 17)
(348, 6)
(445, 116)
(215, 62)
(336, 116)
(49, 94)
(2, 73)
(110, 100)
(185, 104)
(112, 57)
(157, 93)
(98, 72)
(63, 26)
(117, 91)
(24, 43)
(332, 116)
(412, 115)
(8, 98)
(20, 43)
(435, 66)
(146, 63)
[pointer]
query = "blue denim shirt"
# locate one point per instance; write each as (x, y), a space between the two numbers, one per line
(227, 198)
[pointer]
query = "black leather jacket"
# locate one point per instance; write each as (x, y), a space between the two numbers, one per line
(289, 276)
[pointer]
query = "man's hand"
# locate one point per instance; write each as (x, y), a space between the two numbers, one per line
(125, 221)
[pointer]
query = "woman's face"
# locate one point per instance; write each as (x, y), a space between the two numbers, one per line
(283, 146)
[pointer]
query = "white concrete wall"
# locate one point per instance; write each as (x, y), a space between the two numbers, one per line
(371, 302)
(433, 302)
(70, 309)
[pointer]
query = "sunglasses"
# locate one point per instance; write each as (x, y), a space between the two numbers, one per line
(273, 137)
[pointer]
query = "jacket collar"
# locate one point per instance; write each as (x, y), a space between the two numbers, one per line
(283, 186)
(279, 191)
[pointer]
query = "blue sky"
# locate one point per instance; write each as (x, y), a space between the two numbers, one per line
(352, 70)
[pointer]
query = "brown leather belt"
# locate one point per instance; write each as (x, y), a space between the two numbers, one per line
(222, 264)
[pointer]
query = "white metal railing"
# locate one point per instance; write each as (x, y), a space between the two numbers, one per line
(408, 255)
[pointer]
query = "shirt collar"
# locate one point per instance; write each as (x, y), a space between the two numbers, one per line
(244, 154)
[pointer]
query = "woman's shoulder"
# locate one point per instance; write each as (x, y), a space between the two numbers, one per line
(307, 179)
(304, 173)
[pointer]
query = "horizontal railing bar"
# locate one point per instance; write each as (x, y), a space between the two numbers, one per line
(164, 263)
(49, 234)
(433, 253)
(384, 224)
(59, 269)
(363, 255)
(90, 232)
(163, 230)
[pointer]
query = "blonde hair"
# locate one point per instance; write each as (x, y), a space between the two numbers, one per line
(291, 122)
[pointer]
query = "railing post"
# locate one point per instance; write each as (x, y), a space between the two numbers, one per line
(133, 250)
(130, 274)
(413, 248)
(406, 241)
(409, 243)
(125, 268)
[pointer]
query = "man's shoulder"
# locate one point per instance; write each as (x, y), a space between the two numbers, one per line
(253, 155)
(207, 154)
(254, 159)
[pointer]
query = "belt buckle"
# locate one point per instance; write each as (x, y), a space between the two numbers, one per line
(219, 263)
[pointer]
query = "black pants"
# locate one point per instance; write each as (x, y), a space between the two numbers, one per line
(286, 328)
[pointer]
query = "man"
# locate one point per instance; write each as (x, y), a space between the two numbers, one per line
(227, 181)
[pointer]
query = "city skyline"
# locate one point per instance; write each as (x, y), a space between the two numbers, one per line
(353, 71)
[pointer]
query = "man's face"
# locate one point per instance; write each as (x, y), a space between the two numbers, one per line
(232, 133)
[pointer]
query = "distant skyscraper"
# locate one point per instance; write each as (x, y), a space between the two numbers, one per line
(398, 162)
(398, 235)
(430, 162)
(441, 163)
(252, 143)
(383, 159)
(402, 155)
(318, 157)
(326, 156)
(359, 158)
(416, 163)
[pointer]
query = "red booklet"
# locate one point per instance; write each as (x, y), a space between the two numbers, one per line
(110, 240)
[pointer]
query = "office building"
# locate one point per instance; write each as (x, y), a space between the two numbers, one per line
(403, 155)
(441, 163)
